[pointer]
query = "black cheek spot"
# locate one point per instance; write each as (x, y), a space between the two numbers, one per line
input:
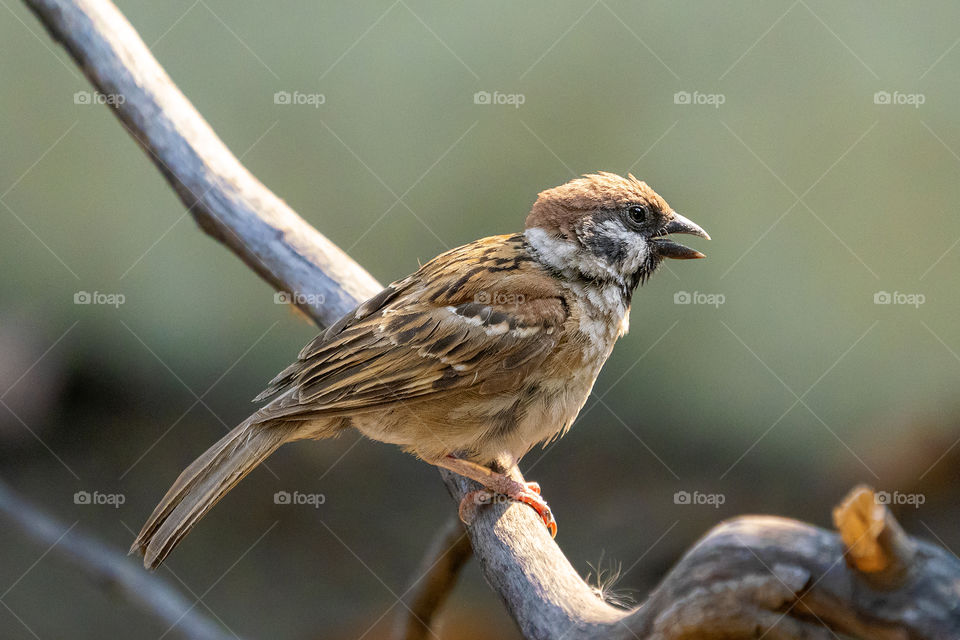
(613, 249)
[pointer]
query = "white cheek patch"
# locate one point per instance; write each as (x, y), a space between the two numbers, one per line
(567, 257)
(555, 252)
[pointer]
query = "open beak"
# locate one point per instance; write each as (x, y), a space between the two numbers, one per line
(669, 249)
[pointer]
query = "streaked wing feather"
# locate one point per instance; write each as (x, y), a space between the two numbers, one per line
(435, 332)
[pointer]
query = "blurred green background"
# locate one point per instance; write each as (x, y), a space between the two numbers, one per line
(820, 195)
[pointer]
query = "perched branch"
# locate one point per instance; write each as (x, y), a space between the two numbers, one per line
(110, 570)
(749, 577)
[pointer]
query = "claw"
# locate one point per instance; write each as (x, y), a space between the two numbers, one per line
(532, 499)
(529, 495)
(471, 502)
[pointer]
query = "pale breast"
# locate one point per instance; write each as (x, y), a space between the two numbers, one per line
(483, 425)
(599, 317)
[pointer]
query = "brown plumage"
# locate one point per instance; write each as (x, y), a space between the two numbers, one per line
(484, 352)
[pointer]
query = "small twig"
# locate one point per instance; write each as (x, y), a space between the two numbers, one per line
(110, 570)
(877, 547)
(438, 572)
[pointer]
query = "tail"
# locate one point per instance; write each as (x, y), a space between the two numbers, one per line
(204, 482)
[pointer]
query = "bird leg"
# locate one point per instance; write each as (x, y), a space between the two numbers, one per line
(496, 484)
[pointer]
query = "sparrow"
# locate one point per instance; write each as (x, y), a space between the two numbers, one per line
(486, 351)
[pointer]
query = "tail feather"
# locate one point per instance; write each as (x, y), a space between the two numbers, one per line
(203, 484)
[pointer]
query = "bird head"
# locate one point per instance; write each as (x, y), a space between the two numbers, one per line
(609, 228)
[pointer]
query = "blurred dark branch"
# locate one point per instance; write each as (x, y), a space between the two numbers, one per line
(436, 577)
(110, 570)
(752, 576)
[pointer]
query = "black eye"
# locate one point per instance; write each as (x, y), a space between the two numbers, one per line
(637, 214)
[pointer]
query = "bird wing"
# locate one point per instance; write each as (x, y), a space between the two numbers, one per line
(482, 316)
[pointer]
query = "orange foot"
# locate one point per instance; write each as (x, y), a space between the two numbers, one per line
(530, 496)
(528, 493)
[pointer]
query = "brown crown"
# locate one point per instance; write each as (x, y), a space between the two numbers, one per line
(558, 209)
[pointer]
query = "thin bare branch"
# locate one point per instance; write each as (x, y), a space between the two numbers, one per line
(111, 570)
